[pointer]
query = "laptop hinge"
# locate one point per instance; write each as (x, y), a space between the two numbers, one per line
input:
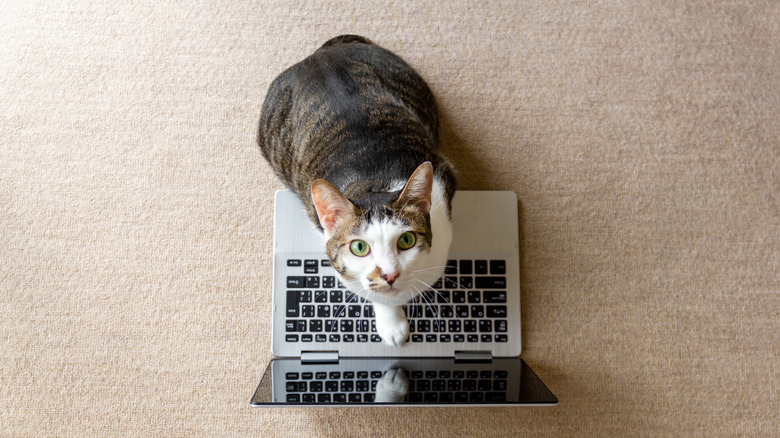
(319, 357)
(473, 356)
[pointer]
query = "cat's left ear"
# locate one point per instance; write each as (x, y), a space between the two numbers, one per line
(330, 203)
(417, 190)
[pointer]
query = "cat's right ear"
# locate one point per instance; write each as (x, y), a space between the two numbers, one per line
(330, 203)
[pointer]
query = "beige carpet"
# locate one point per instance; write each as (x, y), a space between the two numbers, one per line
(642, 139)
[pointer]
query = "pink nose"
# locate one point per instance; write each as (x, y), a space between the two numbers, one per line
(390, 277)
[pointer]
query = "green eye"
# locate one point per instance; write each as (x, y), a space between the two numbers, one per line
(407, 240)
(359, 248)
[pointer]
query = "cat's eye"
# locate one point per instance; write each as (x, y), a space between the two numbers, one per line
(359, 248)
(407, 240)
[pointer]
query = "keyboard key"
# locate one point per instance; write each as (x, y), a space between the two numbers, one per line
(484, 385)
(472, 338)
(362, 386)
(376, 338)
(320, 296)
(466, 282)
(470, 326)
(430, 338)
(493, 311)
(362, 326)
(292, 304)
(423, 326)
(494, 296)
(443, 297)
(501, 325)
(339, 311)
(485, 374)
(431, 311)
(469, 385)
(474, 296)
(444, 338)
(439, 326)
(499, 385)
(315, 325)
(417, 337)
(459, 296)
(480, 267)
(325, 263)
(453, 325)
(295, 282)
(334, 338)
(451, 282)
(347, 386)
(291, 338)
(336, 296)
(415, 311)
(369, 398)
(491, 282)
(446, 311)
(331, 325)
(347, 325)
(498, 267)
(311, 270)
(316, 386)
(486, 338)
(293, 398)
(349, 297)
(307, 311)
(452, 267)
(310, 263)
(323, 311)
(477, 311)
(465, 267)
(362, 338)
(354, 397)
(501, 338)
(312, 282)
(323, 398)
(339, 398)
(306, 338)
(485, 325)
(294, 262)
(472, 374)
(462, 311)
(328, 281)
(320, 338)
(495, 396)
(349, 338)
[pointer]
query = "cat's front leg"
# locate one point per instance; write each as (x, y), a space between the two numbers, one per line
(392, 387)
(391, 323)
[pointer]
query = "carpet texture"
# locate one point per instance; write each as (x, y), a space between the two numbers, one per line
(642, 139)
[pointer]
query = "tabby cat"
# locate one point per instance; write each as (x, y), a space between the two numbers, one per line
(353, 130)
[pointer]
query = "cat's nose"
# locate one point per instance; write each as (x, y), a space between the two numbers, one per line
(390, 277)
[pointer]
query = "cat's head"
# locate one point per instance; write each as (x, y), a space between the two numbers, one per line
(382, 252)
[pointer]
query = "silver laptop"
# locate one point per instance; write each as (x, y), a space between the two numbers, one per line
(464, 339)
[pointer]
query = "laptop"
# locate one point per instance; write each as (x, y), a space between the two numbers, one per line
(464, 342)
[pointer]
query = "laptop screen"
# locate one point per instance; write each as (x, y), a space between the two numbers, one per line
(396, 381)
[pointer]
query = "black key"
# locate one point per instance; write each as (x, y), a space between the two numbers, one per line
(427, 297)
(469, 385)
(323, 311)
(472, 374)
(320, 338)
(485, 325)
(486, 374)
(362, 326)
(323, 398)
(486, 338)
(376, 374)
(417, 374)
(480, 267)
(484, 385)
(309, 398)
(320, 296)
(438, 284)
(362, 374)
(295, 282)
(311, 270)
(423, 385)
(495, 396)
(291, 338)
(336, 296)
(446, 311)
(292, 304)
(443, 297)
(316, 386)
(501, 325)
(472, 338)
(354, 397)
(498, 267)
(362, 338)
(376, 338)
(307, 311)
(430, 338)
(501, 338)
(349, 297)
(339, 398)
(306, 338)
(453, 325)
(477, 311)
(294, 262)
(450, 282)
(493, 311)
(368, 311)
(444, 338)
(328, 281)
(439, 385)
(423, 326)
(293, 398)
(347, 325)
(470, 326)
(295, 325)
(458, 374)
(431, 311)
(466, 282)
(310, 263)
(369, 398)
(431, 397)
(500, 374)
(491, 283)
(461, 397)
(347, 386)
(499, 385)
(312, 282)
(462, 311)
(362, 385)
(439, 326)
(334, 338)
(315, 325)
(415, 311)
(430, 374)
(474, 296)
(494, 296)
(452, 267)
(339, 311)
(459, 296)
(476, 397)
(417, 337)
(353, 311)
(331, 325)
(465, 267)
(349, 338)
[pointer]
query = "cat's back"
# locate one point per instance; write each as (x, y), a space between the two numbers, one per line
(350, 97)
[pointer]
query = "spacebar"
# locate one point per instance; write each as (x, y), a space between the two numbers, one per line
(490, 283)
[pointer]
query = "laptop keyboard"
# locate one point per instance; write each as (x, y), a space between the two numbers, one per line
(467, 305)
(432, 386)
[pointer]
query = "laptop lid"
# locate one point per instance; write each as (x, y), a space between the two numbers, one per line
(481, 283)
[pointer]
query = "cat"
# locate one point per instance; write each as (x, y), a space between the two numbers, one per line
(353, 130)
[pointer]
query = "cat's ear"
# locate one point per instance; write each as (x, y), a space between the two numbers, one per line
(417, 190)
(330, 203)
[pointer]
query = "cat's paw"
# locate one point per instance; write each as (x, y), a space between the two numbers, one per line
(394, 332)
(392, 387)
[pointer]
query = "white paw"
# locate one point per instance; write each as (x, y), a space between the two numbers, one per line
(393, 332)
(392, 387)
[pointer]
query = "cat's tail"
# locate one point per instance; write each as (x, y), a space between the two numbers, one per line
(346, 39)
